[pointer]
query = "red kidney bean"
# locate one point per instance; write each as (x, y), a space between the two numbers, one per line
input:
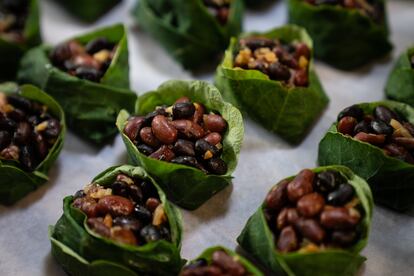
(133, 127)
(227, 264)
(301, 78)
(164, 153)
(199, 112)
(339, 218)
(115, 205)
(301, 185)
(346, 125)
(123, 235)
(99, 227)
(375, 139)
(288, 240)
(152, 203)
(302, 50)
(164, 130)
(311, 229)
(288, 216)
(148, 137)
(214, 123)
(188, 129)
(182, 100)
(277, 197)
(88, 205)
(343, 238)
(311, 204)
(213, 138)
(406, 142)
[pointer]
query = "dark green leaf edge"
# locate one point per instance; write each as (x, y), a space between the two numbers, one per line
(257, 239)
(187, 194)
(15, 182)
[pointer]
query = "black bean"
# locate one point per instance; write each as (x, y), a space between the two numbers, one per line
(380, 127)
(17, 115)
(88, 73)
(7, 123)
(183, 110)
(352, 111)
(217, 166)
(150, 233)
(327, 181)
(165, 233)
(278, 71)
(363, 126)
(184, 147)
(148, 190)
(145, 149)
(342, 195)
(19, 102)
(120, 188)
(23, 133)
(27, 158)
(79, 194)
(34, 120)
(150, 116)
(130, 223)
(186, 160)
(202, 147)
(97, 45)
(257, 42)
(385, 114)
(135, 193)
(5, 139)
(343, 238)
(142, 213)
(41, 146)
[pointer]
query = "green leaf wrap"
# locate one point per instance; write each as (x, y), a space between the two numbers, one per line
(250, 268)
(15, 183)
(400, 85)
(187, 31)
(91, 108)
(186, 186)
(288, 112)
(82, 252)
(12, 52)
(391, 180)
(343, 37)
(257, 239)
(88, 10)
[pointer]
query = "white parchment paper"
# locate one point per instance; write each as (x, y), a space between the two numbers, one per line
(264, 160)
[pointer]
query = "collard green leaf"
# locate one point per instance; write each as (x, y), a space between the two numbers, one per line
(343, 37)
(15, 183)
(11, 52)
(186, 30)
(391, 180)
(91, 108)
(286, 111)
(257, 239)
(88, 10)
(81, 251)
(186, 186)
(400, 85)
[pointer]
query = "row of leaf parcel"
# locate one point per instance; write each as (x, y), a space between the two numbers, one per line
(186, 138)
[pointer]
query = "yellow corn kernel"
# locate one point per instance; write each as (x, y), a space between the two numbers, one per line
(303, 62)
(208, 155)
(102, 56)
(159, 216)
(41, 127)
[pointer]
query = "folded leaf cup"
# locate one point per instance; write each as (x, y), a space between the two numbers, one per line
(221, 261)
(344, 37)
(120, 224)
(20, 32)
(32, 131)
(186, 137)
(88, 10)
(195, 32)
(314, 223)
(89, 76)
(400, 85)
(270, 76)
(375, 141)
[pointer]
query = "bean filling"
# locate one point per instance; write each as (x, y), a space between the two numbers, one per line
(284, 62)
(88, 62)
(27, 131)
(219, 9)
(383, 128)
(221, 264)
(128, 211)
(312, 212)
(13, 15)
(184, 133)
(370, 8)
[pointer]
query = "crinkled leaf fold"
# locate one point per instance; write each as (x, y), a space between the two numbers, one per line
(91, 108)
(391, 180)
(186, 186)
(287, 111)
(258, 240)
(80, 251)
(15, 183)
(343, 37)
(187, 31)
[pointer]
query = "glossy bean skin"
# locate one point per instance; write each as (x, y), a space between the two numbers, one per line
(339, 218)
(300, 185)
(288, 240)
(163, 130)
(115, 205)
